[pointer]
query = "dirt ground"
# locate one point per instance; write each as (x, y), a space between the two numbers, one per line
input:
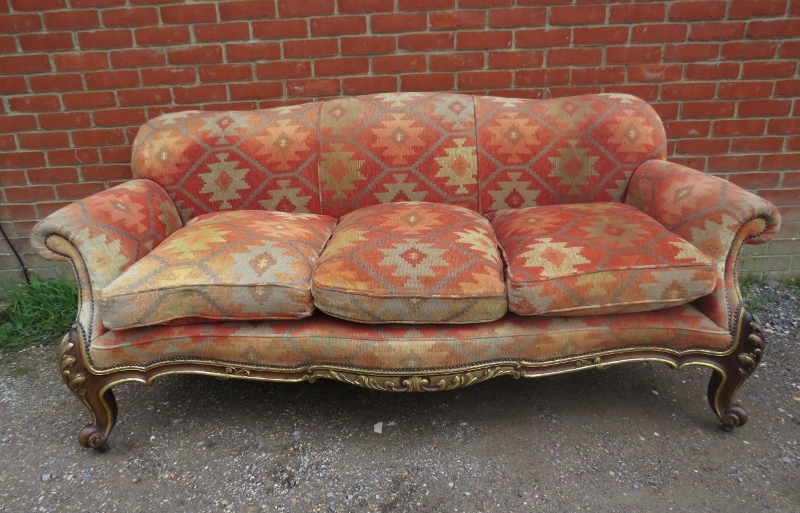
(634, 437)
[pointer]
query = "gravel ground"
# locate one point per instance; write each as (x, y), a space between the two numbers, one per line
(635, 437)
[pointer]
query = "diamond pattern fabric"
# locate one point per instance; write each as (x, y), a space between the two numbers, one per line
(598, 258)
(224, 266)
(411, 262)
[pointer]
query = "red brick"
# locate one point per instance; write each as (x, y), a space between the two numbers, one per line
(96, 3)
(427, 82)
(716, 31)
(425, 5)
(574, 56)
(787, 88)
(107, 172)
(750, 8)
(257, 90)
(17, 212)
(53, 175)
(81, 61)
(133, 17)
(138, 58)
(577, 14)
(98, 137)
(73, 156)
(56, 82)
(313, 87)
(772, 29)
(516, 59)
(630, 54)
(757, 144)
(781, 197)
(292, 8)
(338, 25)
(708, 110)
(112, 79)
(8, 178)
(21, 159)
(365, 6)
(476, 80)
(92, 100)
(152, 96)
(485, 3)
(43, 140)
(398, 63)
(200, 94)
(161, 36)
(483, 39)
(38, 5)
(283, 69)
(105, 39)
(794, 8)
(168, 75)
(65, 120)
(713, 71)
(542, 77)
(17, 64)
(16, 23)
(688, 91)
(691, 52)
(733, 163)
(249, 52)
(790, 49)
(398, 22)
(8, 44)
(658, 33)
(764, 108)
(312, 48)
(226, 73)
(518, 17)
(9, 85)
(189, 14)
(749, 50)
(280, 29)
(602, 75)
(231, 31)
(786, 126)
(369, 85)
(745, 89)
(703, 146)
(542, 38)
(769, 69)
(46, 42)
(791, 180)
(456, 61)
(451, 20)
(633, 13)
(29, 193)
(242, 10)
(72, 19)
(37, 103)
(427, 42)
(781, 161)
(739, 127)
(195, 55)
(687, 11)
(752, 180)
(360, 45)
(599, 35)
(682, 129)
(119, 117)
(113, 154)
(76, 191)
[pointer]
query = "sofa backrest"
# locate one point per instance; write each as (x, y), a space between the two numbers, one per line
(332, 157)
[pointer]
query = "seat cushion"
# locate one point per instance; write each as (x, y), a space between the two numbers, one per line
(598, 258)
(411, 262)
(245, 265)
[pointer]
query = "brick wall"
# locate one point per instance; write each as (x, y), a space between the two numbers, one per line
(77, 77)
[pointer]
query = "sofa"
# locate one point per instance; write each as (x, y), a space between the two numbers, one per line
(406, 242)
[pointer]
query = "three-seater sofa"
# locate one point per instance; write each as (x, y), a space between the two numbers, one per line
(406, 242)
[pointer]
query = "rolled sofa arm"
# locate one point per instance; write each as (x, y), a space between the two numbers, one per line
(714, 215)
(103, 235)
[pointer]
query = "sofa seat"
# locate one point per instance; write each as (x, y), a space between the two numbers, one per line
(321, 339)
(597, 259)
(245, 265)
(411, 262)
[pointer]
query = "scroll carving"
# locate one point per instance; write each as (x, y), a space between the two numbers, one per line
(433, 382)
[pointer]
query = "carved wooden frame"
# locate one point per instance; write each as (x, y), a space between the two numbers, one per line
(729, 370)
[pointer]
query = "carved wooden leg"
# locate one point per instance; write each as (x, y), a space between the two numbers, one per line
(738, 366)
(88, 388)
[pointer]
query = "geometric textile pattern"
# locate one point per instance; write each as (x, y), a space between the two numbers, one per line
(597, 259)
(213, 161)
(714, 215)
(397, 147)
(246, 265)
(566, 150)
(411, 262)
(320, 340)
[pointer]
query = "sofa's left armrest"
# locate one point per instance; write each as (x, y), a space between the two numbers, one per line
(714, 215)
(103, 235)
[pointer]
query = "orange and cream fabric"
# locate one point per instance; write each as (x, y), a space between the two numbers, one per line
(597, 258)
(245, 265)
(411, 262)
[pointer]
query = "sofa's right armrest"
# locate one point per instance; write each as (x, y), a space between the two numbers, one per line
(103, 235)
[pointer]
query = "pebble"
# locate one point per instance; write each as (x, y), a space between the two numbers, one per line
(378, 428)
(332, 506)
(46, 477)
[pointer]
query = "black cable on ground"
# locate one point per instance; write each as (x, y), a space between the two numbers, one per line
(19, 259)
